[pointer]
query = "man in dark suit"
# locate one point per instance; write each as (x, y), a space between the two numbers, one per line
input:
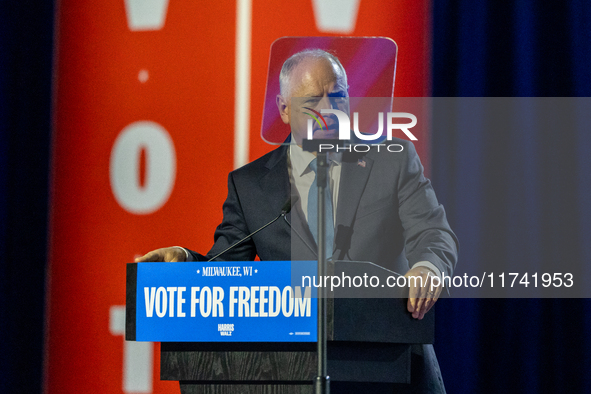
(385, 210)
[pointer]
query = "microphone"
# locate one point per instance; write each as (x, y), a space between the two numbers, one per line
(287, 206)
(312, 249)
(284, 211)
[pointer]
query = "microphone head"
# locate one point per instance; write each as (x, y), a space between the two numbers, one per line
(289, 204)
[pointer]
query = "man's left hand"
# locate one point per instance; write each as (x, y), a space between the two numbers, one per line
(421, 298)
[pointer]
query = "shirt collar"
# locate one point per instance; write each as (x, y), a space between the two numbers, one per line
(300, 159)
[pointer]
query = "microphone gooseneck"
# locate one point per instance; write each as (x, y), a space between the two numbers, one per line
(284, 211)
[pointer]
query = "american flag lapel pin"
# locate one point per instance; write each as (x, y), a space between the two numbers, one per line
(361, 163)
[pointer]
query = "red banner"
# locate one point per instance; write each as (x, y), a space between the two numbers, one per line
(155, 102)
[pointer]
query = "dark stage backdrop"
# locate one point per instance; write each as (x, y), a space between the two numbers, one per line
(514, 197)
(480, 48)
(25, 92)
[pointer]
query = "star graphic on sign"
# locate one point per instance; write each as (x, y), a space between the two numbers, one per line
(256, 271)
(197, 271)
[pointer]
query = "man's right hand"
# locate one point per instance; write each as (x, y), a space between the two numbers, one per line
(172, 254)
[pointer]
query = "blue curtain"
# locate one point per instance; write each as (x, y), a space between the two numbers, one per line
(25, 94)
(513, 198)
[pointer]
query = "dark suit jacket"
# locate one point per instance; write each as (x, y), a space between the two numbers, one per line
(387, 213)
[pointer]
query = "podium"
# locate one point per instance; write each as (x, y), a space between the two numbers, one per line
(369, 341)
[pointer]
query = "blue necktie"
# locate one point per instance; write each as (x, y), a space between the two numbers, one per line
(313, 211)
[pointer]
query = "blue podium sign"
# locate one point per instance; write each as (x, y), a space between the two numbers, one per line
(228, 301)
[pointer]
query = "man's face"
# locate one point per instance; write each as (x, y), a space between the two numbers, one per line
(315, 84)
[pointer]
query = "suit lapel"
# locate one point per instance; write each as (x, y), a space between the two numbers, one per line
(275, 182)
(276, 185)
(354, 175)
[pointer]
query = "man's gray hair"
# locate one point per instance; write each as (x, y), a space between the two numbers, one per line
(297, 58)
